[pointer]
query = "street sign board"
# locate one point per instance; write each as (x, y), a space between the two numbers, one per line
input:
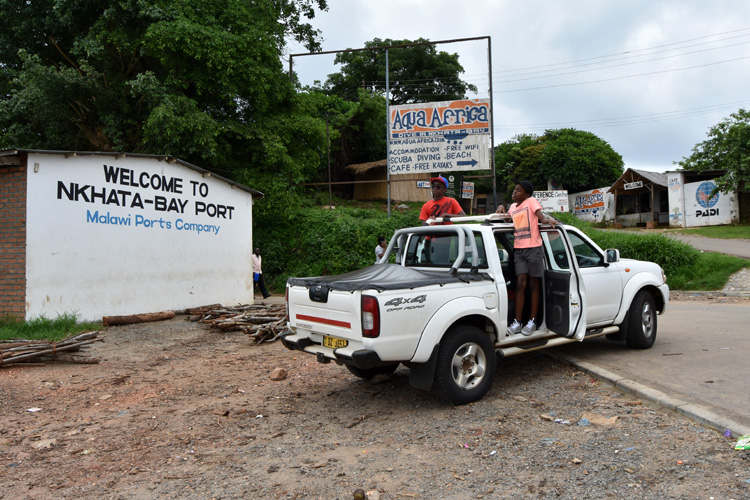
(439, 137)
(553, 201)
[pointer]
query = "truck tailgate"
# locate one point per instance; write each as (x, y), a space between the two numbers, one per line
(338, 316)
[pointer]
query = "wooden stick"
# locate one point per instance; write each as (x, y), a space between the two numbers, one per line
(137, 318)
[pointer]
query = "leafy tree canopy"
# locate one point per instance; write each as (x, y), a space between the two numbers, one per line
(727, 148)
(199, 79)
(576, 159)
(416, 74)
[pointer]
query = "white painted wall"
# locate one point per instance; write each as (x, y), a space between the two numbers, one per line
(595, 205)
(700, 210)
(675, 183)
(138, 250)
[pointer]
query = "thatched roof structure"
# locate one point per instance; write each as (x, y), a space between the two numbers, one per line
(360, 168)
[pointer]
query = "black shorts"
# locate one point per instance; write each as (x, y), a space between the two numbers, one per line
(529, 261)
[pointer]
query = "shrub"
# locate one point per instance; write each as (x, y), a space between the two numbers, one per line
(322, 242)
(670, 254)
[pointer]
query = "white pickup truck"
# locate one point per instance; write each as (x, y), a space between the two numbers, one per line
(440, 299)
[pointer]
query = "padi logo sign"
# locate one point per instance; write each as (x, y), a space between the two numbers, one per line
(707, 197)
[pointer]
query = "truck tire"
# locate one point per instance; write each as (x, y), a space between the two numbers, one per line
(465, 365)
(641, 329)
(367, 374)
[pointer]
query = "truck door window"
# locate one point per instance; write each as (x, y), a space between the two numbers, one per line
(556, 249)
(586, 255)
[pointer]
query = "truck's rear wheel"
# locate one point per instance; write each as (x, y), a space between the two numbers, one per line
(641, 332)
(368, 373)
(465, 365)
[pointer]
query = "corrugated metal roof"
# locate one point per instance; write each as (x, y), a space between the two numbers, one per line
(169, 159)
(630, 175)
(653, 177)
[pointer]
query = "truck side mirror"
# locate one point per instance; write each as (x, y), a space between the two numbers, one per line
(613, 255)
(503, 254)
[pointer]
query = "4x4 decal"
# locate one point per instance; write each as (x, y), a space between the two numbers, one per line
(408, 302)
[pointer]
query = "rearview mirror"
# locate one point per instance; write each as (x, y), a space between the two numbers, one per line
(613, 255)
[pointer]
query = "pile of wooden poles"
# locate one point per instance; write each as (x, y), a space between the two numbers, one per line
(41, 351)
(263, 323)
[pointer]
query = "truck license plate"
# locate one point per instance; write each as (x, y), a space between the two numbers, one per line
(334, 343)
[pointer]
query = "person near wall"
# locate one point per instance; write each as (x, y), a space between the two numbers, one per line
(440, 205)
(258, 273)
(528, 257)
(380, 248)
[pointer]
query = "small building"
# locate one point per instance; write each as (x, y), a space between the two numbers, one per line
(371, 183)
(97, 234)
(695, 201)
(640, 198)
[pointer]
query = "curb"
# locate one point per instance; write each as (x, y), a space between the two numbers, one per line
(689, 410)
(717, 293)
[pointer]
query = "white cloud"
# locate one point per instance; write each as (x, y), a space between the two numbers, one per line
(650, 76)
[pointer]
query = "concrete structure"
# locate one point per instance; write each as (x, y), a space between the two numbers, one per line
(97, 234)
(693, 202)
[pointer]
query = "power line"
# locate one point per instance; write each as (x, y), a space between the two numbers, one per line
(629, 51)
(622, 64)
(625, 120)
(620, 77)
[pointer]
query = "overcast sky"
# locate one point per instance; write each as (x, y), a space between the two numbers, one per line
(650, 77)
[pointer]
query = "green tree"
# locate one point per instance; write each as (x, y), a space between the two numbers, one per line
(199, 79)
(416, 74)
(579, 160)
(727, 148)
(576, 159)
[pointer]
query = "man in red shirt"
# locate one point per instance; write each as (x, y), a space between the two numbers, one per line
(528, 257)
(440, 205)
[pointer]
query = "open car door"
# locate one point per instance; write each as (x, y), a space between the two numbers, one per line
(564, 293)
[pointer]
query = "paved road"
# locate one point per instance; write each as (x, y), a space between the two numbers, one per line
(736, 247)
(697, 366)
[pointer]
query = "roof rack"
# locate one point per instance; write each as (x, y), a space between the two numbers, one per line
(488, 218)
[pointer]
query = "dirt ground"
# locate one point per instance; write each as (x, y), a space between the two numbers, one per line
(175, 410)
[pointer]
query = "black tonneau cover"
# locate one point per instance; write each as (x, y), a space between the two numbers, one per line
(387, 277)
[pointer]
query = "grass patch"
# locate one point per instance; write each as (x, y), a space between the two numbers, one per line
(710, 272)
(723, 232)
(686, 268)
(42, 328)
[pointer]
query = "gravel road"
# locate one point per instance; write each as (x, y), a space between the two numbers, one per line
(175, 410)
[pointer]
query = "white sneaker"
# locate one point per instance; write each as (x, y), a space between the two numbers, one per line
(529, 328)
(514, 328)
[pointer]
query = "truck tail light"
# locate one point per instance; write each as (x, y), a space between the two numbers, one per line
(286, 301)
(370, 316)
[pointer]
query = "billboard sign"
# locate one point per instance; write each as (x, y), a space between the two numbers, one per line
(553, 201)
(439, 137)
(467, 190)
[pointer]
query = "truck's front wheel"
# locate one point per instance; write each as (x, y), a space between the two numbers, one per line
(465, 365)
(641, 332)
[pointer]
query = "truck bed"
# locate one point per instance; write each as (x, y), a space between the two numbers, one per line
(382, 277)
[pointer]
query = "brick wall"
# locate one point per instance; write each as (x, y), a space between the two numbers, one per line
(13, 240)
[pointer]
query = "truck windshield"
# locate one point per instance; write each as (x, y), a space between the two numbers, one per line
(441, 250)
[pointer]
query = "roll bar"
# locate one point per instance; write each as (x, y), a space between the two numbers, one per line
(463, 233)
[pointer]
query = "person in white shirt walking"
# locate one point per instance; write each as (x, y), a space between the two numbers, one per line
(258, 273)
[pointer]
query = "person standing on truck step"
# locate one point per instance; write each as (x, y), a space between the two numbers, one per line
(380, 248)
(528, 257)
(258, 273)
(440, 205)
